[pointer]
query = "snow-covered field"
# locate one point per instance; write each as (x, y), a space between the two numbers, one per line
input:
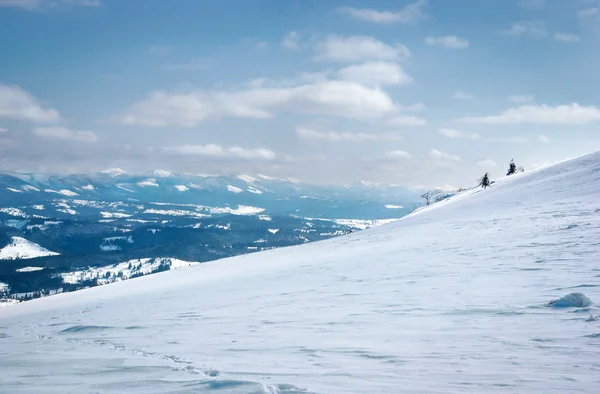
(451, 299)
(20, 248)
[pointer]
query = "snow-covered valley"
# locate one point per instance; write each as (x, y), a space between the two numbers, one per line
(452, 298)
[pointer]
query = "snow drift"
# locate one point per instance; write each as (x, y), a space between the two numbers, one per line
(453, 298)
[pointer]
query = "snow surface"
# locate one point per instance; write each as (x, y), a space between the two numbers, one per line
(247, 178)
(174, 212)
(254, 191)
(13, 212)
(122, 271)
(240, 210)
(162, 173)
(234, 189)
(114, 215)
(114, 172)
(392, 206)
(20, 248)
(30, 269)
(30, 188)
(148, 182)
(453, 298)
(66, 192)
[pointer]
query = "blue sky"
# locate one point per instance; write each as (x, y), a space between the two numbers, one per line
(413, 92)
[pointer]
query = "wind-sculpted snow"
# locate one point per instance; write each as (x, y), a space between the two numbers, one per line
(578, 300)
(451, 299)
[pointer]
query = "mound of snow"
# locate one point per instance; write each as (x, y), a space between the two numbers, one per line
(20, 248)
(578, 300)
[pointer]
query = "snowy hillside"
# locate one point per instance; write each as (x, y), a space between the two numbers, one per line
(451, 299)
(20, 248)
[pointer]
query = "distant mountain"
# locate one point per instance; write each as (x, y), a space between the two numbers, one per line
(276, 195)
(66, 233)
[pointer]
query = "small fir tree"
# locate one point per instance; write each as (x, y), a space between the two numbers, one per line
(512, 168)
(484, 181)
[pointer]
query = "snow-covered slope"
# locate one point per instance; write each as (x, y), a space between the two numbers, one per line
(453, 298)
(20, 248)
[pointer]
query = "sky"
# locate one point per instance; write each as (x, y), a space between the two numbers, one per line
(421, 93)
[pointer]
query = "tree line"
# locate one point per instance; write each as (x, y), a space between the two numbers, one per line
(433, 196)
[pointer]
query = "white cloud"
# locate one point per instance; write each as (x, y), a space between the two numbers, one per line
(336, 98)
(486, 163)
(410, 14)
(589, 15)
(566, 37)
(398, 154)
(460, 95)
(453, 133)
(159, 50)
(406, 120)
(308, 133)
(15, 103)
(350, 49)
(3, 130)
(217, 151)
(521, 99)
(62, 133)
(438, 155)
(262, 45)
(572, 114)
(533, 28)
(531, 4)
(452, 42)
(375, 73)
(35, 4)
(291, 41)
(543, 139)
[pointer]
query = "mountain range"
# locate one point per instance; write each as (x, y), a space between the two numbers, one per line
(63, 233)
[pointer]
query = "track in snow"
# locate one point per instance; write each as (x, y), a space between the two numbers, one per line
(450, 299)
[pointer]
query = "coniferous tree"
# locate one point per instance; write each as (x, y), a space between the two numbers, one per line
(484, 181)
(512, 168)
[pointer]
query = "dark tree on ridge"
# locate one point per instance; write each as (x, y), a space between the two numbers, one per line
(484, 181)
